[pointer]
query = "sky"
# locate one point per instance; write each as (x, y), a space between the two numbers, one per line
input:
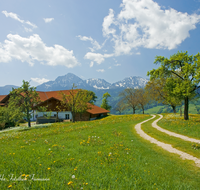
(107, 39)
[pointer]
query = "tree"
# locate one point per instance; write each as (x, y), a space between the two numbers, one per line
(93, 95)
(77, 101)
(23, 99)
(120, 106)
(9, 117)
(156, 91)
(129, 98)
(142, 98)
(187, 71)
(105, 104)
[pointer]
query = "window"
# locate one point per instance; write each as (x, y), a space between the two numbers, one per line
(66, 116)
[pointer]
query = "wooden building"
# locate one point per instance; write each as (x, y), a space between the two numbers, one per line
(51, 100)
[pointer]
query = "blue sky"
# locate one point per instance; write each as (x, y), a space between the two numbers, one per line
(109, 39)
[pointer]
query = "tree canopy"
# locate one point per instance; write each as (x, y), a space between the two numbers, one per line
(77, 101)
(23, 99)
(182, 74)
(105, 104)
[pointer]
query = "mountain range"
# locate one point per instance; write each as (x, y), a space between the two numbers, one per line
(98, 86)
(66, 82)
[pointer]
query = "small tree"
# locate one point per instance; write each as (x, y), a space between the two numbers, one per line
(129, 98)
(120, 106)
(9, 117)
(23, 99)
(142, 98)
(105, 104)
(77, 101)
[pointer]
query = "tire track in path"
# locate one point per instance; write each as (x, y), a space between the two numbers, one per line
(183, 137)
(167, 147)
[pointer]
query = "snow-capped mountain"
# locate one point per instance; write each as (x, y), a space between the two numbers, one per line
(67, 81)
(98, 83)
(130, 82)
(63, 83)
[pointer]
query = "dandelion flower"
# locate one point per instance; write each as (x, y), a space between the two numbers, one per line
(9, 186)
(73, 176)
(23, 175)
(70, 183)
(49, 168)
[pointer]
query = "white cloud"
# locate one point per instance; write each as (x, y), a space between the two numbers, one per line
(39, 81)
(31, 24)
(28, 29)
(16, 17)
(96, 57)
(12, 15)
(117, 65)
(95, 44)
(33, 48)
(108, 21)
(142, 23)
(47, 20)
(101, 70)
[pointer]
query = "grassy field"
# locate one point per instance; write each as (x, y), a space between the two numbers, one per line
(101, 154)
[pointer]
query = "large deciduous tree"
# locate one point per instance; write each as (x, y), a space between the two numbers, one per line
(105, 104)
(23, 99)
(157, 91)
(77, 101)
(182, 72)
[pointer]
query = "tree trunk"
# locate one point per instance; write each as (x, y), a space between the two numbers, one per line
(143, 110)
(73, 117)
(186, 108)
(28, 118)
(181, 110)
(133, 110)
(174, 108)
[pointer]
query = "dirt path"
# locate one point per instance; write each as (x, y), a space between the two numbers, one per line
(185, 138)
(167, 147)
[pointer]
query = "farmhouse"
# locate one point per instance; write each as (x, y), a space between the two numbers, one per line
(54, 109)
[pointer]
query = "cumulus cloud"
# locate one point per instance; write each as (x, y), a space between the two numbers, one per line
(47, 20)
(101, 70)
(39, 81)
(108, 21)
(16, 17)
(34, 49)
(142, 23)
(96, 57)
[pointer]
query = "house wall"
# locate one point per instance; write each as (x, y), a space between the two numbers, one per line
(82, 117)
(61, 115)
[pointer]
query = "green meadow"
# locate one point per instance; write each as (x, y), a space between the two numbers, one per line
(101, 154)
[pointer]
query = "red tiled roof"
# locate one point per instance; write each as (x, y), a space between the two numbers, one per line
(97, 110)
(53, 94)
(2, 97)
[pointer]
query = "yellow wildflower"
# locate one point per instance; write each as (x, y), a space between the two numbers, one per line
(70, 183)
